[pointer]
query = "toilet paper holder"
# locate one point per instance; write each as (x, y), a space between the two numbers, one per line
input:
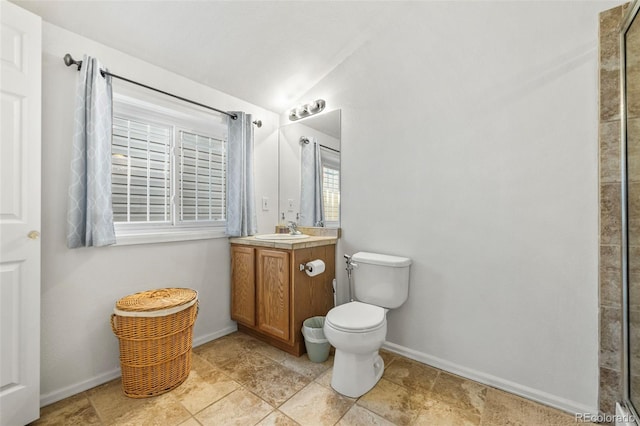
(313, 268)
(304, 267)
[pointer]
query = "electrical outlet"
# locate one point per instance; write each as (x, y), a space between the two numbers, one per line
(290, 204)
(265, 203)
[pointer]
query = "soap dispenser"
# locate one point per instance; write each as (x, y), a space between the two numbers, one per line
(282, 225)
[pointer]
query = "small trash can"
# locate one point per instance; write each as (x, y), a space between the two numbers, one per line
(317, 345)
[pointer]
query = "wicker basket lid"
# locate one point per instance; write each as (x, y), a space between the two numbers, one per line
(154, 300)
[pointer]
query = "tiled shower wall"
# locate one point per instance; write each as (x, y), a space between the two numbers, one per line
(610, 360)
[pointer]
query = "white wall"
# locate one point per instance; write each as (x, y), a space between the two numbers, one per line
(469, 144)
(80, 287)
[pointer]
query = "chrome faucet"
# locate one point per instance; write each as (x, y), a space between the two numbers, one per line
(293, 228)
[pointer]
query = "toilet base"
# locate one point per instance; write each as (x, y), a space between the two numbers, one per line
(355, 374)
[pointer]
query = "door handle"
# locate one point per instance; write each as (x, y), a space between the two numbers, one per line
(33, 235)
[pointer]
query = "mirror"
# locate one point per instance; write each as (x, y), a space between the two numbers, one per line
(631, 201)
(309, 171)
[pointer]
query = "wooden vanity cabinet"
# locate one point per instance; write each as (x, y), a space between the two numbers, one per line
(273, 292)
(243, 294)
(271, 297)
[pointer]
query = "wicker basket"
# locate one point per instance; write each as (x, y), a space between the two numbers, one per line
(155, 329)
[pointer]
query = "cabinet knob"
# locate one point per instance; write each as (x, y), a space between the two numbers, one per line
(33, 235)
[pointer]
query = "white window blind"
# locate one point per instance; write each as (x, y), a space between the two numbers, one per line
(331, 193)
(330, 184)
(141, 178)
(201, 178)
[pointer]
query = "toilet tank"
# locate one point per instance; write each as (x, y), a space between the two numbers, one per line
(380, 279)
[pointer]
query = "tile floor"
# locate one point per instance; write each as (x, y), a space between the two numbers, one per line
(238, 380)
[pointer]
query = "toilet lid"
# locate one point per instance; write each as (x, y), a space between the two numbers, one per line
(356, 316)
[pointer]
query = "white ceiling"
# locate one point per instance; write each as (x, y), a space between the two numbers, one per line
(266, 52)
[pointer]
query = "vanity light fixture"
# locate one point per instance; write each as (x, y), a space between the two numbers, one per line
(306, 110)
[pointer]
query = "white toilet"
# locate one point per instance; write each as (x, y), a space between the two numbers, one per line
(358, 329)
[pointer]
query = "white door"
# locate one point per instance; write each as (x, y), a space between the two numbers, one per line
(20, 101)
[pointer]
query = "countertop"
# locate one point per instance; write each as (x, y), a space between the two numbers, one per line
(312, 241)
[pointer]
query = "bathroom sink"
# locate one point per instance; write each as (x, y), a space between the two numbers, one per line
(281, 237)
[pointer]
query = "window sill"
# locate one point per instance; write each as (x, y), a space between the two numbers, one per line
(131, 237)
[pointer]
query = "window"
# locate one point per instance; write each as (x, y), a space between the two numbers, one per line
(168, 172)
(140, 171)
(330, 186)
(201, 178)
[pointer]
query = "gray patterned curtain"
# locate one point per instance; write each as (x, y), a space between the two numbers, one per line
(90, 213)
(311, 203)
(241, 203)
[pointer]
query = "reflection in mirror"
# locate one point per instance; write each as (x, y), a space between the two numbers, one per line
(309, 173)
(631, 117)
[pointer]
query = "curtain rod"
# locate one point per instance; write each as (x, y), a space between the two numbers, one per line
(68, 60)
(330, 149)
(305, 140)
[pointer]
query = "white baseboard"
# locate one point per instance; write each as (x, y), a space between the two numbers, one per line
(555, 401)
(623, 417)
(76, 388)
(105, 377)
(201, 340)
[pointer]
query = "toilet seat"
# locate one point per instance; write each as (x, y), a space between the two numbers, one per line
(356, 317)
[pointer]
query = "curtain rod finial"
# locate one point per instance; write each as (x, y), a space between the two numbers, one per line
(68, 61)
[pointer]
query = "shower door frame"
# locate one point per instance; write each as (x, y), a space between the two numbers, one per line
(626, 371)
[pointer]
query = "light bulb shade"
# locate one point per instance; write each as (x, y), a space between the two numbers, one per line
(315, 106)
(307, 109)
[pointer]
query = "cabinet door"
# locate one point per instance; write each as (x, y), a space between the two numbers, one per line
(272, 285)
(243, 285)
